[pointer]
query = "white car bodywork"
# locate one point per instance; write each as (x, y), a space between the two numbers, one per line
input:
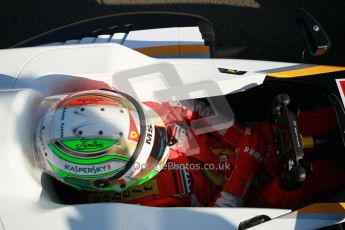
(29, 74)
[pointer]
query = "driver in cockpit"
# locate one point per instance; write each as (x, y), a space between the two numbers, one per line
(110, 145)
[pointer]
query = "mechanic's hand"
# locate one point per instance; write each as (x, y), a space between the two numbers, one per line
(226, 199)
(251, 151)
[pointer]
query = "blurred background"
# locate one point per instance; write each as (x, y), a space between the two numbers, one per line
(248, 29)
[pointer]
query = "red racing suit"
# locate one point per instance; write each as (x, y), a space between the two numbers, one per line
(236, 154)
(228, 160)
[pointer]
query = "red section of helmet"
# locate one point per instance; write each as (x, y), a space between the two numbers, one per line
(121, 182)
(86, 100)
(91, 100)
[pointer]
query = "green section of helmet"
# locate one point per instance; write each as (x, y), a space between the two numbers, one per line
(77, 182)
(87, 145)
(83, 161)
(148, 177)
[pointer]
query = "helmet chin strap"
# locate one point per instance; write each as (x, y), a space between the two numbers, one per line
(178, 135)
(181, 138)
(172, 140)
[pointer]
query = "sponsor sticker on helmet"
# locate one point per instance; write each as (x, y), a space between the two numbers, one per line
(87, 145)
(148, 189)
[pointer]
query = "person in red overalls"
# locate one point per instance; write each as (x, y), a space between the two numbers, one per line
(107, 143)
(246, 151)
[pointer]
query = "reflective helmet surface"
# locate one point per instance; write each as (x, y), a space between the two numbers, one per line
(99, 140)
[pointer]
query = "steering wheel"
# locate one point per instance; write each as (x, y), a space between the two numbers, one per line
(292, 167)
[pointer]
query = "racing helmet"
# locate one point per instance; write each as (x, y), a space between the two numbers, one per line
(99, 140)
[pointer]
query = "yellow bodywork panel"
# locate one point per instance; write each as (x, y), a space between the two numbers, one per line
(334, 208)
(306, 71)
